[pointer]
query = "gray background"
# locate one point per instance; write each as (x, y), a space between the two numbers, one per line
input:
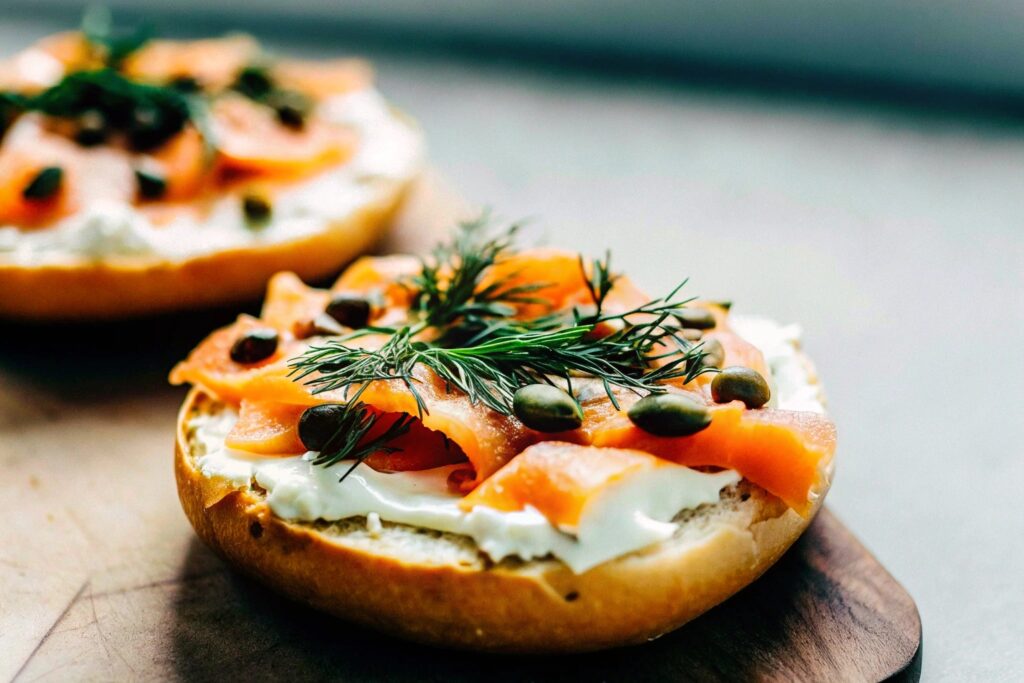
(892, 232)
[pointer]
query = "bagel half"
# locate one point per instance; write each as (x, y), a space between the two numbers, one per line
(78, 289)
(438, 588)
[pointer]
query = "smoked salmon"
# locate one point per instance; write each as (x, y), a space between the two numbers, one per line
(179, 113)
(785, 452)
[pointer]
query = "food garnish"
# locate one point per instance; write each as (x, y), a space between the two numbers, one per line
(546, 408)
(200, 117)
(669, 415)
(463, 327)
(45, 184)
(350, 311)
(255, 345)
(256, 208)
(738, 383)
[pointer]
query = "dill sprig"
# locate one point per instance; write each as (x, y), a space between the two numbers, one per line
(349, 439)
(461, 328)
(449, 288)
(113, 46)
(148, 114)
(513, 355)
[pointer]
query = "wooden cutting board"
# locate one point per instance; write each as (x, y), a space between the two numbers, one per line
(101, 578)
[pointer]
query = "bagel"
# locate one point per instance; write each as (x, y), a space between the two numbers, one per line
(97, 251)
(447, 586)
(439, 589)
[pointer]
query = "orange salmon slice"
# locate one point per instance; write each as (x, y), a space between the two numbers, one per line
(784, 452)
(267, 428)
(558, 479)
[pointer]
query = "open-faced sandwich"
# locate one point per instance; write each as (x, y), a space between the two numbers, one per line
(140, 176)
(501, 450)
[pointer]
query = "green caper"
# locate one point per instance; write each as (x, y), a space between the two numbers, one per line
(150, 127)
(186, 84)
(546, 408)
(254, 346)
(350, 311)
(292, 108)
(714, 353)
(695, 318)
(150, 184)
(253, 82)
(738, 383)
(256, 208)
(318, 425)
(92, 128)
(669, 415)
(45, 184)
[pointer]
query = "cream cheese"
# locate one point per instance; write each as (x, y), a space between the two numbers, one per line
(793, 382)
(628, 515)
(390, 151)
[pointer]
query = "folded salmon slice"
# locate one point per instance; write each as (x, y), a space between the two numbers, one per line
(267, 428)
(785, 452)
(214, 62)
(558, 479)
(488, 439)
(290, 302)
(270, 428)
(209, 365)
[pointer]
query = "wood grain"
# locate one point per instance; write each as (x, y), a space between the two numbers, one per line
(101, 578)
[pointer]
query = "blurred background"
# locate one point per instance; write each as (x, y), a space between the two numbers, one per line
(855, 166)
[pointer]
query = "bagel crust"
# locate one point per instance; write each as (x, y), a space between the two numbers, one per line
(104, 290)
(439, 589)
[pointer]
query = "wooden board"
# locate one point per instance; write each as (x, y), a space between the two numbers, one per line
(101, 578)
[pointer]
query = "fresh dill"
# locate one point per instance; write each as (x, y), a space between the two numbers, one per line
(450, 292)
(462, 327)
(112, 46)
(146, 114)
(349, 439)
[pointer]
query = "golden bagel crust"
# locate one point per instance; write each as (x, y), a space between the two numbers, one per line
(458, 599)
(82, 290)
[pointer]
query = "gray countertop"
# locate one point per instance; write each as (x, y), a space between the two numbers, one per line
(895, 236)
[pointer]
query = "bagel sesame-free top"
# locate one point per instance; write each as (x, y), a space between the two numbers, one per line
(169, 160)
(538, 403)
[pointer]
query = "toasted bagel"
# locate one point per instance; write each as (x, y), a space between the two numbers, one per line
(439, 588)
(248, 165)
(92, 290)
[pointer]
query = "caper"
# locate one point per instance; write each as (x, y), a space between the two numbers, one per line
(738, 383)
(695, 318)
(148, 128)
(150, 183)
(319, 424)
(253, 82)
(45, 184)
(186, 84)
(546, 408)
(92, 128)
(713, 353)
(291, 108)
(254, 346)
(256, 208)
(350, 311)
(669, 415)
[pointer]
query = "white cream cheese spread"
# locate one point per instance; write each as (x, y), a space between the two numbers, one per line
(628, 515)
(390, 150)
